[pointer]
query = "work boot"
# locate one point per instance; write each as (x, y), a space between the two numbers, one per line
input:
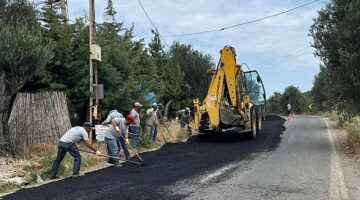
(53, 177)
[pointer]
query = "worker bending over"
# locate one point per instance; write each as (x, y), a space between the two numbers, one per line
(117, 136)
(67, 143)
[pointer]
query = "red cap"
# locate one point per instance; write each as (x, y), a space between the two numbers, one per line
(131, 118)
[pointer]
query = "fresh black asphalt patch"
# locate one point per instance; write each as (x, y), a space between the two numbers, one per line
(171, 163)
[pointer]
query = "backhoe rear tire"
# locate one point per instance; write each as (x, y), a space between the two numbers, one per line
(259, 122)
(253, 125)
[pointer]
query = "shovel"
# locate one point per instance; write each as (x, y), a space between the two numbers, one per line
(118, 158)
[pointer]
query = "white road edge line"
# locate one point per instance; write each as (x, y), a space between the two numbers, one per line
(217, 173)
(338, 189)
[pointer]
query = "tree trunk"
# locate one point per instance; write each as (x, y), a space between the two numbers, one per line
(5, 119)
(167, 107)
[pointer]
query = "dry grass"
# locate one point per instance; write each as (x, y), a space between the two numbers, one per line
(172, 132)
(333, 116)
(351, 125)
(353, 133)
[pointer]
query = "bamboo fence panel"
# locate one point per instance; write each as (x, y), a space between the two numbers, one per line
(38, 118)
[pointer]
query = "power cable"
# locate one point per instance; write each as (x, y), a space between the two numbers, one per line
(283, 61)
(152, 23)
(243, 23)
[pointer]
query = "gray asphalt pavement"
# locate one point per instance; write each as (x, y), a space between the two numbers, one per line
(306, 165)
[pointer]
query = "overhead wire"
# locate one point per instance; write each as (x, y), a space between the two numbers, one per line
(243, 23)
(266, 67)
(152, 23)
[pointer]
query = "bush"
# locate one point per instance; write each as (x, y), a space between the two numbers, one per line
(353, 130)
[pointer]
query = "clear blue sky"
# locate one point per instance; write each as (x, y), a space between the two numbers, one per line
(279, 47)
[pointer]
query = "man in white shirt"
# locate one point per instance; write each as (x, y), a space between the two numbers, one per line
(152, 122)
(67, 143)
(289, 110)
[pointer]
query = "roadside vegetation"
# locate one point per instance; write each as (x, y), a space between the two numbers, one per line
(336, 88)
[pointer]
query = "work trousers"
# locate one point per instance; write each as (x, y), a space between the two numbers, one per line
(63, 148)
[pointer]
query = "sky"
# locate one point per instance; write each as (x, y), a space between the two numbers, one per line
(279, 48)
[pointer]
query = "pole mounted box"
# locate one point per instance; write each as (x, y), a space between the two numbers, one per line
(95, 52)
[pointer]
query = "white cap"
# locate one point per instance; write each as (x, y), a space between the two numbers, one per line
(187, 109)
(154, 104)
(137, 104)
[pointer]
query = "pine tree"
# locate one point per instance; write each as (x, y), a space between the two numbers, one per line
(126, 70)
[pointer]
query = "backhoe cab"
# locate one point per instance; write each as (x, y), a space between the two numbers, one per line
(234, 99)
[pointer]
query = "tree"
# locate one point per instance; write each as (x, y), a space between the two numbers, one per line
(320, 92)
(273, 104)
(23, 54)
(336, 40)
(194, 64)
(293, 96)
(127, 71)
(174, 87)
(156, 50)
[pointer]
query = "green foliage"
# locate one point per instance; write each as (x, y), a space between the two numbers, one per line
(24, 52)
(129, 68)
(293, 96)
(336, 36)
(194, 64)
(277, 103)
(273, 104)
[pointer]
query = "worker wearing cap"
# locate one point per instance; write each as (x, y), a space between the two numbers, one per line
(152, 121)
(116, 136)
(135, 127)
(68, 142)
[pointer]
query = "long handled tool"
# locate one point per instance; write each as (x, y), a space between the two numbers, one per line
(102, 155)
(134, 150)
(162, 118)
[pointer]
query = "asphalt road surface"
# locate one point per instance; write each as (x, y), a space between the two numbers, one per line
(294, 159)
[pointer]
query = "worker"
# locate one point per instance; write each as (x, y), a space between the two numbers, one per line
(117, 136)
(135, 127)
(112, 115)
(184, 116)
(67, 143)
(152, 121)
(159, 112)
(289, 110)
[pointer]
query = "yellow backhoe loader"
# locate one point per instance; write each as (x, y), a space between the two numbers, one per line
(235, 99)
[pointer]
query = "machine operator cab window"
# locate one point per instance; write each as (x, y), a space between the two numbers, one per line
(255, 88)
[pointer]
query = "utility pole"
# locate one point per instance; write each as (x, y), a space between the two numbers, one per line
(91, 69)
(95, 55)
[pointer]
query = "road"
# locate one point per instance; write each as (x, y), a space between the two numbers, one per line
(295, 159)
